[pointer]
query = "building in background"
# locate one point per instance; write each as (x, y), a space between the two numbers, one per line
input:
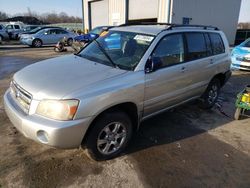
(223, 14)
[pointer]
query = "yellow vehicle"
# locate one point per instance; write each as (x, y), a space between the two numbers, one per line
(242, 103)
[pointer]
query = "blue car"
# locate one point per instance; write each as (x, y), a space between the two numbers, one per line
(93, 34)
(47, 36)
(241, 56)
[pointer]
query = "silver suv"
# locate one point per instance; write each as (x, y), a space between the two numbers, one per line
(98, 97)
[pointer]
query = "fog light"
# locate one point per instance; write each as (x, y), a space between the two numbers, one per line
(43, 136)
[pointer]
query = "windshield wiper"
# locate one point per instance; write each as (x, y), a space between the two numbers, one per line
(106, 54)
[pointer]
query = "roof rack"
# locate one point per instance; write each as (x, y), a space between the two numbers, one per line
(171, 25)
(145, 23)
(199, 26)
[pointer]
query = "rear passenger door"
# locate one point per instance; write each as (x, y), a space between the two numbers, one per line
(60, 34)
(199, 61)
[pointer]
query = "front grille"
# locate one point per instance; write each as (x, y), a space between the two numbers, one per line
(244, 59)
(22, 97)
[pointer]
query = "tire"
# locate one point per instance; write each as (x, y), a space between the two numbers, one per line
(113, 128)
(37, 43)
(211, 94)
(237, 113)
(70, 42)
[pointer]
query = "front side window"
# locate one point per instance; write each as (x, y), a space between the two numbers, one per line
(118, 48)
(52, 32)
(196, 46)
(217, 43)
(170, 50)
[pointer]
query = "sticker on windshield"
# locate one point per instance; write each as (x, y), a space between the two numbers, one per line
(144, 38)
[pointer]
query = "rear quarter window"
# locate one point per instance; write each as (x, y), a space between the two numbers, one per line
(217, 43)
(17, 26)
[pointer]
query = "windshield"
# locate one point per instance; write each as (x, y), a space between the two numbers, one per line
(123, 49)
(96, 30)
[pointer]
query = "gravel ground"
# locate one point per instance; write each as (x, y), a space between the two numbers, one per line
(186, 147)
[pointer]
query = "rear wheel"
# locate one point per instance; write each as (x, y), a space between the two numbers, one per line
(237, 113)
(37, 43)
(70, 42)
(211, 94)
(109, 136)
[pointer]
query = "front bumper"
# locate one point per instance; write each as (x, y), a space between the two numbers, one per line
(240, 65)
(26, 41)
(60, 134)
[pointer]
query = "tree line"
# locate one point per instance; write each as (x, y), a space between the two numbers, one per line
(48, 18)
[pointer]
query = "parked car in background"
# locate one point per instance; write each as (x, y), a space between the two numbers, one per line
(33, 31)
(81, 40)
(47, 36)
(93, 34)
(27, 28)
(13, 27)
(99, 96)
(241, 56)
(3, 33)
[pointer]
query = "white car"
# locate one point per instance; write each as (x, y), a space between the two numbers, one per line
(241, 56)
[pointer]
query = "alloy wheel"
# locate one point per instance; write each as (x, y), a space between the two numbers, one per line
(111, 138)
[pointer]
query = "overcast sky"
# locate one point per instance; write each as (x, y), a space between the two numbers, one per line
(73, 7)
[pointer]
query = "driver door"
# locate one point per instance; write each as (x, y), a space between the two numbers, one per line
(165, 86)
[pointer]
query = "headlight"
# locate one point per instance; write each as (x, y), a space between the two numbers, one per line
(58, 109)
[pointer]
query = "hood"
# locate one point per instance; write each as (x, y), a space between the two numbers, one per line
(241, 51)
(57, 77)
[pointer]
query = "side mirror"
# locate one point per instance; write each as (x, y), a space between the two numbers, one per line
(152, 64)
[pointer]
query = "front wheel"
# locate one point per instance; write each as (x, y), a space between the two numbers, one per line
(109, 136)
(37, 43)
(211, 94)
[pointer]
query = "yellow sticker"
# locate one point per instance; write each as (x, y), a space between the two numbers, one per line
(104, 33)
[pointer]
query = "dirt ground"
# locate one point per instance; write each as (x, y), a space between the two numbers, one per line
(186, 147)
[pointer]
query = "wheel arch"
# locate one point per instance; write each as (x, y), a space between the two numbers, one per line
(221, 77)
(129, 108)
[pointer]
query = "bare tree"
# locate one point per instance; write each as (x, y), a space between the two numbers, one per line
(3, 15)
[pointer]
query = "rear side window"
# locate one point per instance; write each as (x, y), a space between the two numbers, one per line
(59, 31)
(209, 46)
(17, 26)
(196, 46)
(217, 43)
